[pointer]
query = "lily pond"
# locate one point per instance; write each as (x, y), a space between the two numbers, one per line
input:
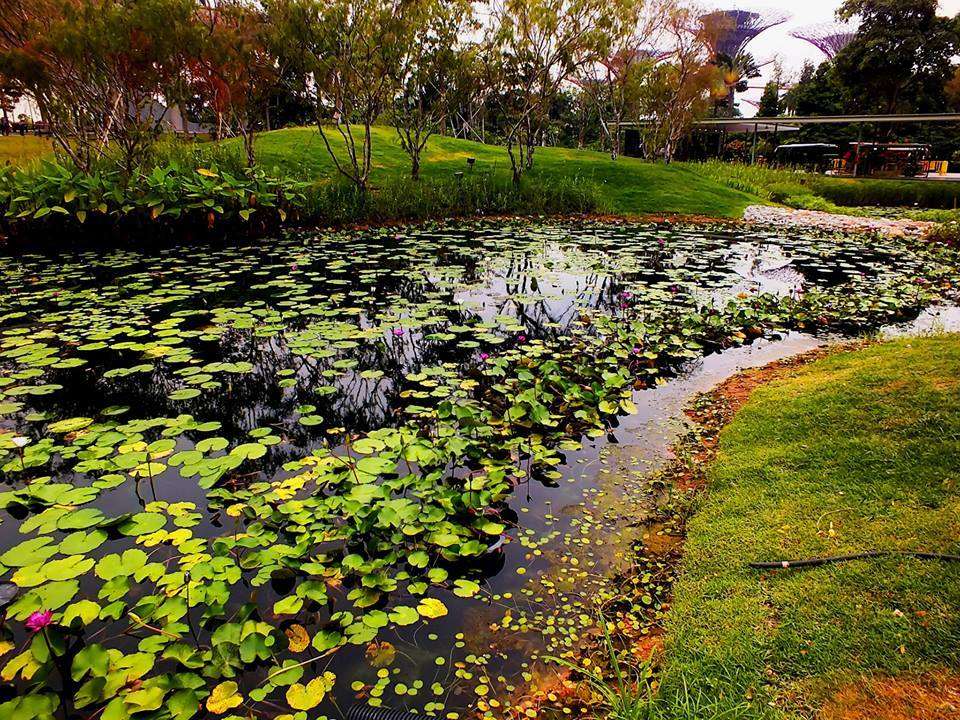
(382, 467)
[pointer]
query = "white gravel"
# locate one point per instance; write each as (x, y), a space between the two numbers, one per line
(790, 218)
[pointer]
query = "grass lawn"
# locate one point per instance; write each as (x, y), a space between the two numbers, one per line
(21, 149)
(857, 451)
(627, 185)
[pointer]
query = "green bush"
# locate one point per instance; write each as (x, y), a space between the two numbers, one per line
(888, 193)
(53, 197)
(178, 197)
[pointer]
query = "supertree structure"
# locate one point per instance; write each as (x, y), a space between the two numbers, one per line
(728, 32)
(828, 38)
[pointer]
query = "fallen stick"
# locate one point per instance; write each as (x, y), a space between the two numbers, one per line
(816, 562)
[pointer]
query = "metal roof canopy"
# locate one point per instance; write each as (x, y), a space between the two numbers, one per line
(745, 126)
(829, 119)
(735, 125)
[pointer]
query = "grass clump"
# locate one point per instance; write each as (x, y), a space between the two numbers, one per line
(849, 454)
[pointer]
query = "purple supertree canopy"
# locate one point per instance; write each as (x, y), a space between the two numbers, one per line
(828, 38)
(729, 31)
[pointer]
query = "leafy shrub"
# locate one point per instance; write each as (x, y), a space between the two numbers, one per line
(797, 189)
(888, 193)
(782, 192)
(54, 197)
(181, 197)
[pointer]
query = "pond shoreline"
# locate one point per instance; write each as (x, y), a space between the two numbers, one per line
(664, 532)
(10, 245)
(802, 476)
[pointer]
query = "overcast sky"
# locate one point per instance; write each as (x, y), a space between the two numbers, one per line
(776, 42)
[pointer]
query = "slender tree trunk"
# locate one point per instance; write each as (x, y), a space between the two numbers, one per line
(248, 146)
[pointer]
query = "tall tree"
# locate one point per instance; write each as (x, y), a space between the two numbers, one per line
(900, 58)
(614, 81)
(425, 71)
(533, 48)
(679, 89)
(99, 70)
(234, 68)
(769, 100)
(736, 74)
(10, 93)
(818, 91)
(347, 54)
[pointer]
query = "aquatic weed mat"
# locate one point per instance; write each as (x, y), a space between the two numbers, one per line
(277, 478)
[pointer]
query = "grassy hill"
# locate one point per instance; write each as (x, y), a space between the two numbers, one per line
(627, 186)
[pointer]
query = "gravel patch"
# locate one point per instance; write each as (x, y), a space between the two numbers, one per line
(790, 218)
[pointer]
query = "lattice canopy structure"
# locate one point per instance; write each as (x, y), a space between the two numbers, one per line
(828, 38)
(728, 32)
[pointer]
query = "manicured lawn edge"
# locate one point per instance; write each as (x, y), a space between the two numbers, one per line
(854, 452)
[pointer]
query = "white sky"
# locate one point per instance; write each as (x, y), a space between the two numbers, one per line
(792, 52)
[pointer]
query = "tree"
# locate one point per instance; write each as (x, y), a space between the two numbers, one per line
(678, 91)
(426, 67)
(900, 58)
(234, 68)
(99, 71)
(951, 91)
(10, 93)
(347, 56)
(736, 73)
(771, 100)
(533, 48)
(614, 81)
(468, 90)
(817, 92)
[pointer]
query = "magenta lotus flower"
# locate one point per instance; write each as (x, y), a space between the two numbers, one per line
(293, 267)
(521, 338)
(398, 332)
(484, 356)
(38, 620)
(626, 295)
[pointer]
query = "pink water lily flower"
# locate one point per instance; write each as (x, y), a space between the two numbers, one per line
(38, 620)
(398, 331)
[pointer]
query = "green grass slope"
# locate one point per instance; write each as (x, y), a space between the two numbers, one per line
(627, 186)
(22, 149)
(858, 451)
